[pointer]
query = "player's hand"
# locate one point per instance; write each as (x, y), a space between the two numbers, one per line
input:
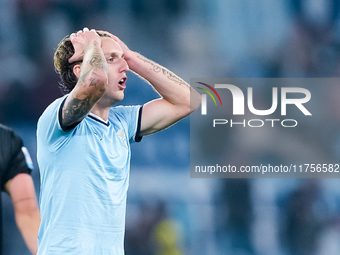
(126, 50)
(80, 40)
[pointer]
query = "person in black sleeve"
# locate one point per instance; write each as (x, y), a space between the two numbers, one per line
(15, 180)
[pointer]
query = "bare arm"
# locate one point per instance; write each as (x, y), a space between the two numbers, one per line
(92, 74)
(27, 216)
(177, 100)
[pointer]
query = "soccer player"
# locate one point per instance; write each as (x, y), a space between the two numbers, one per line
(84, 142)
(15, 179)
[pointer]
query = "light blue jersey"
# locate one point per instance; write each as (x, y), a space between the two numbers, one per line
(84, 181)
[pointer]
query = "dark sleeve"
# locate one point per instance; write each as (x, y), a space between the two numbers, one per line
(138, 138)
(15, 159)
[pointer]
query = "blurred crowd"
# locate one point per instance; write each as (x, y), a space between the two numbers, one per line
(168, 213)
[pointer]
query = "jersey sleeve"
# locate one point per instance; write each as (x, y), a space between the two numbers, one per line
(50, 133)
(19, 160)
(132, 117)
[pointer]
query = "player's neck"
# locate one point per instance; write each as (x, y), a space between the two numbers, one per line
(102, 107)
(103, 113)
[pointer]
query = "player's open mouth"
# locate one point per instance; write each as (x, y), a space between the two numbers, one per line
(122, 83)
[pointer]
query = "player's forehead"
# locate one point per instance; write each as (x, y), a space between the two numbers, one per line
(110, 46)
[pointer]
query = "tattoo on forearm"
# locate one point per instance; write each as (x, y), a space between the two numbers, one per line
(83, 76)
(76, 109)
(94, 82)
(98, 61)
(171, 76)
(157, 68)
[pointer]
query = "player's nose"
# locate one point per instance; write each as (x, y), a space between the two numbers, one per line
(124, 67)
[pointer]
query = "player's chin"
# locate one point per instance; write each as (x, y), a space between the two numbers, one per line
(113, 98)
(119, 96)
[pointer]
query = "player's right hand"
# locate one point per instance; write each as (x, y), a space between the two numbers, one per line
(80, 40)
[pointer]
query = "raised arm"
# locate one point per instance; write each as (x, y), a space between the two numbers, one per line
(27, 216)
(177, 100)
(92, 73)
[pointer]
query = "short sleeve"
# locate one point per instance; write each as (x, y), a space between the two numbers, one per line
(132, 117)
(19, 160)
(50, 134)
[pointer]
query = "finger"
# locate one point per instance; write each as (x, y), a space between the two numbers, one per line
(80, 31)
(93, 30)
(73, 35)
(78, 55)
(85, 29)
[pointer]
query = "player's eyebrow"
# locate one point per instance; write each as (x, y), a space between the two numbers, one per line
(114, 55)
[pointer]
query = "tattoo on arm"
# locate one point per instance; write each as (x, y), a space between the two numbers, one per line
(82, 102)
(170, 75)
(83, 76)
(76, 109)
(98, 61)
(93, 82)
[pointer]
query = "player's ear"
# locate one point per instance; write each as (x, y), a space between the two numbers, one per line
(76, 70)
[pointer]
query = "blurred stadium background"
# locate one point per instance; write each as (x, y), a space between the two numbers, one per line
(169, 213)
